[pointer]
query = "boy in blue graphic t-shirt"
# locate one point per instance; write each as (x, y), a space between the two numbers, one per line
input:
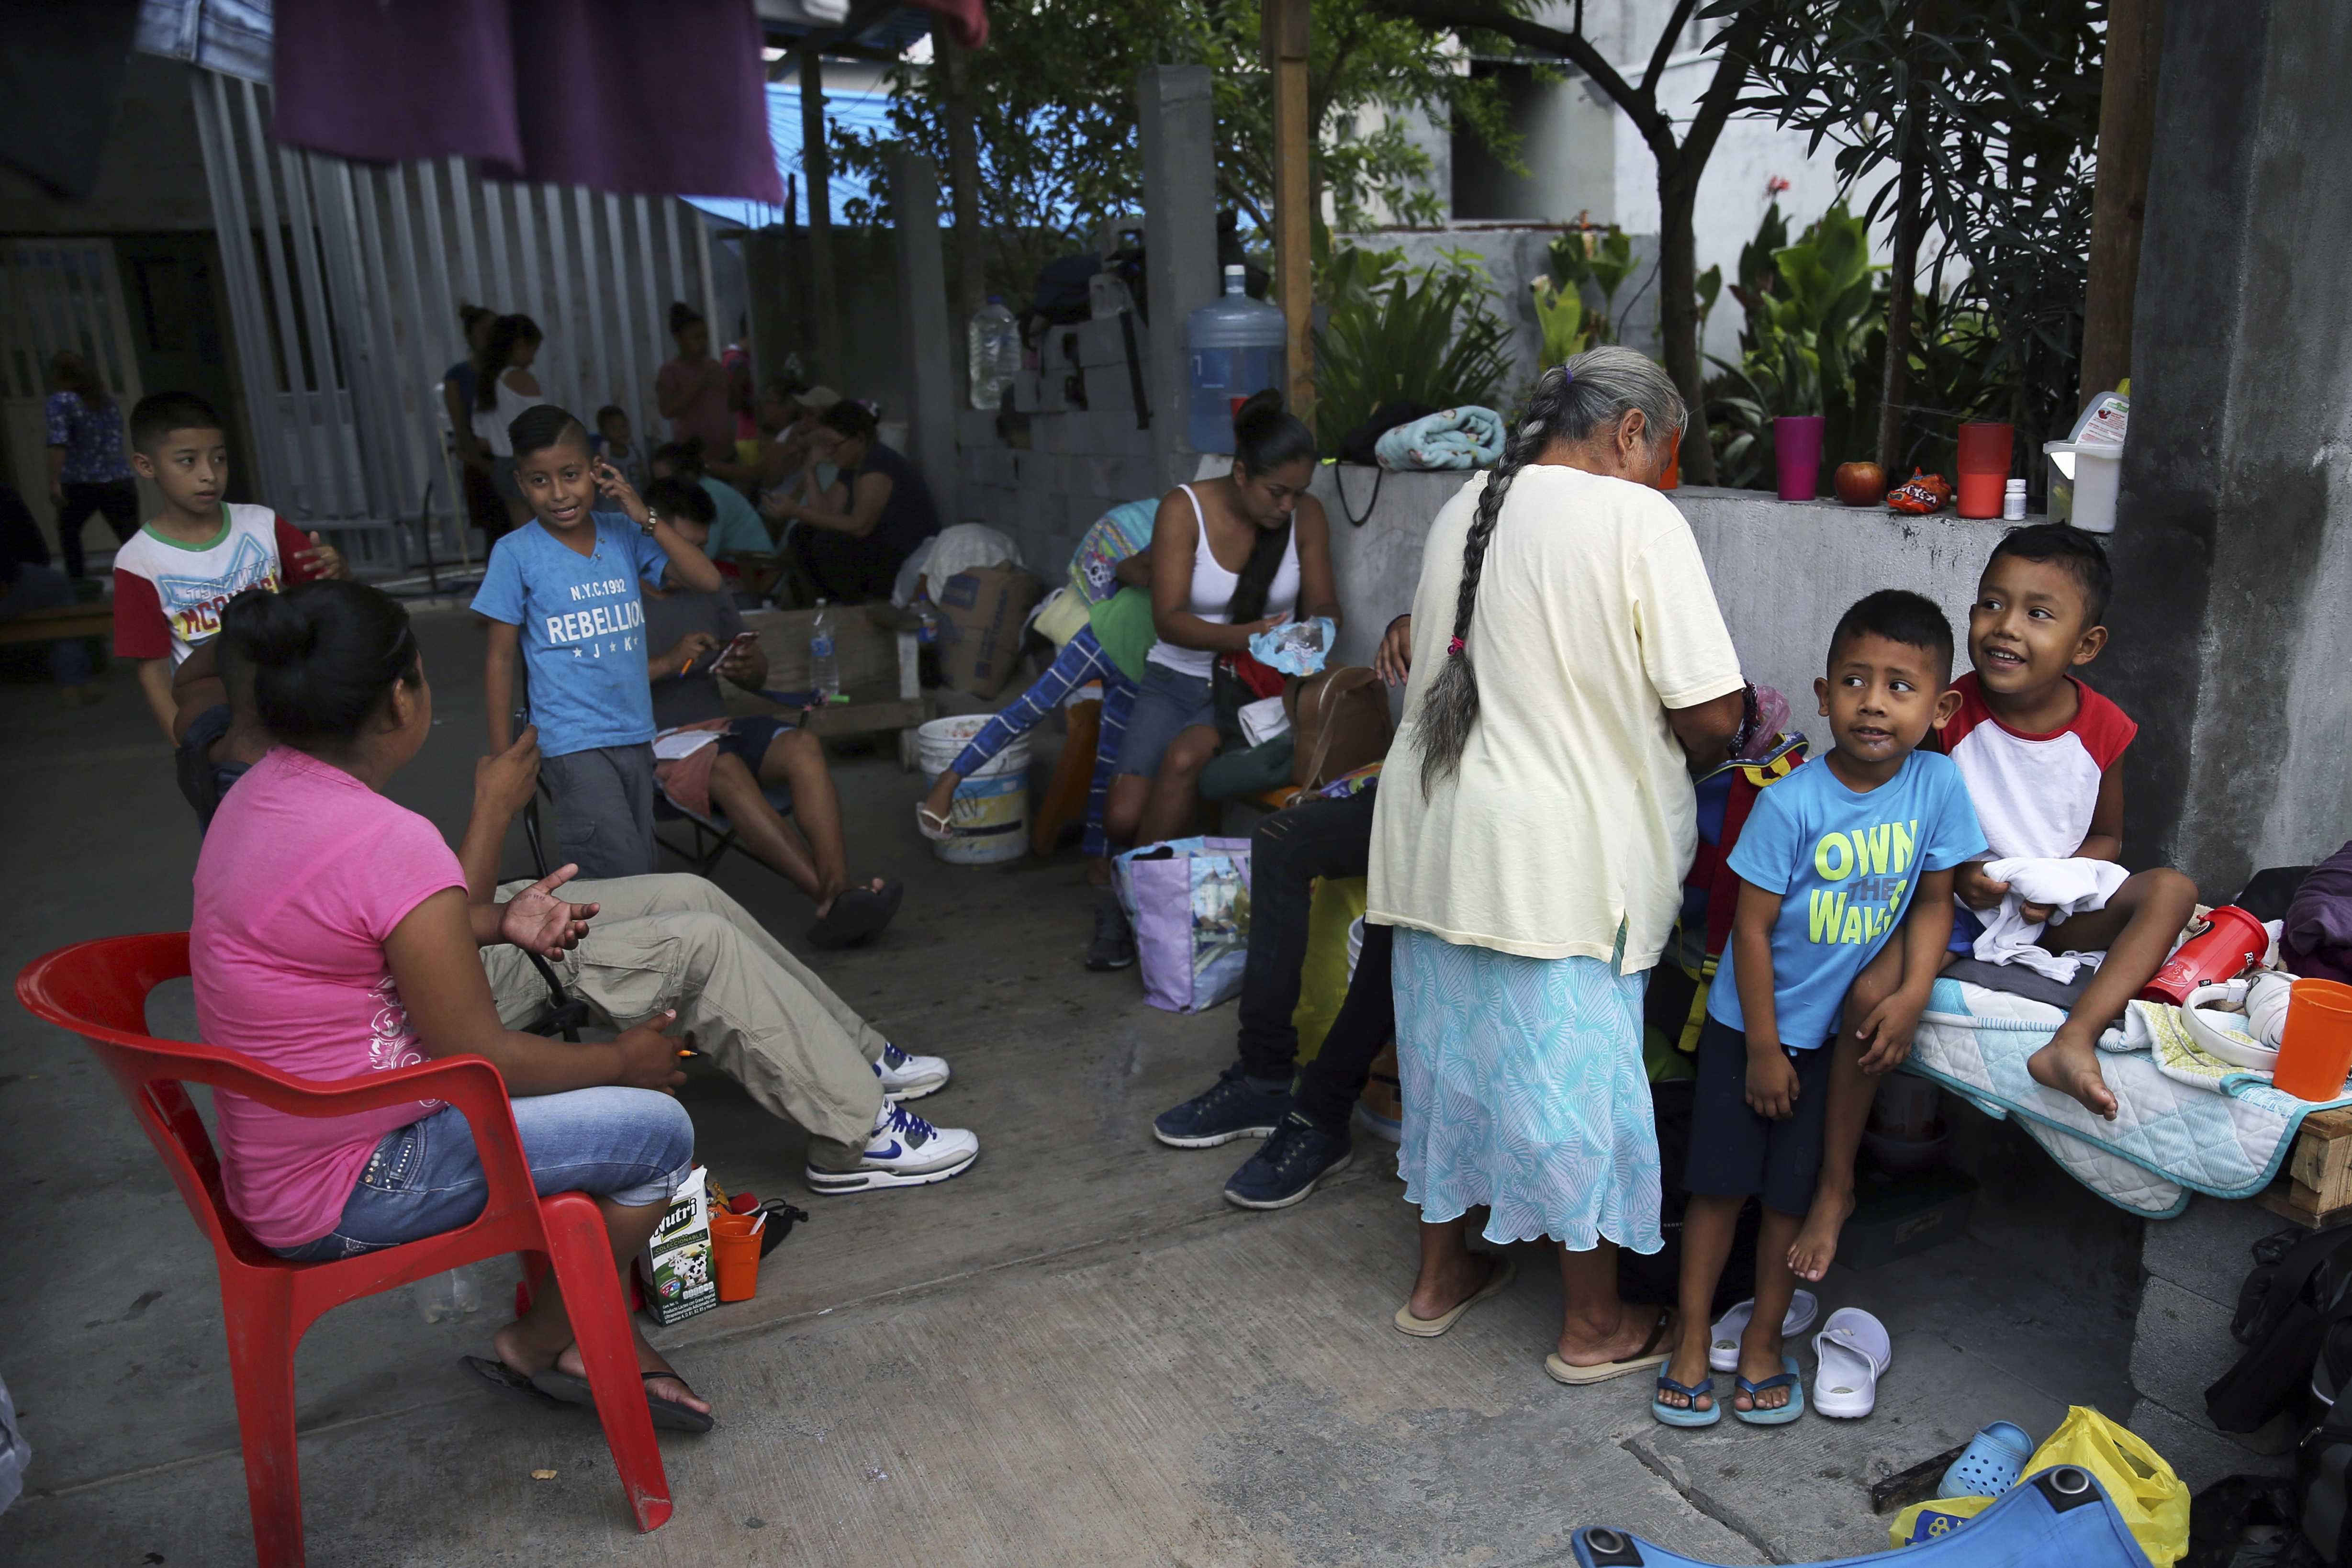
(1831, 862)
(564, 590)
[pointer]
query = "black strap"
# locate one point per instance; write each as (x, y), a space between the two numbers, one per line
(1339, 487)
(1134, 371)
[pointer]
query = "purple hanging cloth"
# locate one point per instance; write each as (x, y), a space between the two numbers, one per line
(646, 98)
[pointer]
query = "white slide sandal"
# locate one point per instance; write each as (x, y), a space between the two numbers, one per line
(1723, 1341)
(1851, 1352)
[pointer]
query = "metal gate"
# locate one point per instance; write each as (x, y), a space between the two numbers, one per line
(345, 282)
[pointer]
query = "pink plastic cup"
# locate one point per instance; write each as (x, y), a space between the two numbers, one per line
(1797, 446)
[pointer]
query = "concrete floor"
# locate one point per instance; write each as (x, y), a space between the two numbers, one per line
(1075, 1353)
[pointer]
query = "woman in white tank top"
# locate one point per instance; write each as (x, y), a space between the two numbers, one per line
(506, 388)
(1252, 541)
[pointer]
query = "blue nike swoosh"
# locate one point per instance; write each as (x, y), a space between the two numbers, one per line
(889, 1153)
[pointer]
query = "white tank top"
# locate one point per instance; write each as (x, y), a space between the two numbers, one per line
(491, 424)
(1212, 591)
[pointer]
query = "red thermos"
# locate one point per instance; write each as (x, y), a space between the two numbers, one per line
(2232, 940)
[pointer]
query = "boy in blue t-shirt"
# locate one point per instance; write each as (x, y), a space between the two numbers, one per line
(564, 590)
(1830, 861)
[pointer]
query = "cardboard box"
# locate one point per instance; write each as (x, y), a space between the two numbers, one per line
(982, 613)
(676, 1265)
(1894, 1217)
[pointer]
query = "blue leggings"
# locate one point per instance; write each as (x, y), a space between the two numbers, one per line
(1082, 659)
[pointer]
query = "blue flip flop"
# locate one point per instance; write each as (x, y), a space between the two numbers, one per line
(1785, 1378)
(1690, 1415)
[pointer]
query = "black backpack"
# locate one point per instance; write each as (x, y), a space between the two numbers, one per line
(2293, 1302)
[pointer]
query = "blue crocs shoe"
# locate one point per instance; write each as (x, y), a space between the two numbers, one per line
(1295, 1156)
(1990, 1464)
(1230, 1109)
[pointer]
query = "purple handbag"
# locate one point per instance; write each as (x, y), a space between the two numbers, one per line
(1189, 901)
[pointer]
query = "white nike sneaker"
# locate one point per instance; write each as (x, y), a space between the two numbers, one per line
(903, 1152)
(910, 1077)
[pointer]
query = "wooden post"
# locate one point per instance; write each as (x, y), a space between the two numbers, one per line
(2119, 200)
(964, 183)
(1290, 39)
(823, 301)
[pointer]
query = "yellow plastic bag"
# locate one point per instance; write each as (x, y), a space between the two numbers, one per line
(1923, 1521)
(1323, 977)
(2152, 1500)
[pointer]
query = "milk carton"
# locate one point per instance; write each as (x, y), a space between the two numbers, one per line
(676, 1264)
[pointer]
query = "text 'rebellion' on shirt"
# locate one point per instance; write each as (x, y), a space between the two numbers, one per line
(1845, 864)
(582, 630)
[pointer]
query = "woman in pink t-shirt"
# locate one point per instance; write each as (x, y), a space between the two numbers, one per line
(333, 936)
(692, 389)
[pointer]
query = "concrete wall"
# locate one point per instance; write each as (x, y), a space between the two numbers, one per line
(1782, 570)
(2182, 1341)
(2233, 607)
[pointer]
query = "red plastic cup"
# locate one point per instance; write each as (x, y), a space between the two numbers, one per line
(2232, 940)
(1797, 449)
(1985, 451)
(2316, 1052)
(1673, 475)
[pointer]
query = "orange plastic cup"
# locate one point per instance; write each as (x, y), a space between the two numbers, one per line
(2315, 1051)
(1984, 460)
(735, 1253)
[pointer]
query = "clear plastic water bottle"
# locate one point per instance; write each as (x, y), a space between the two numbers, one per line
(824, 669)
(992, 349)
(441, 1296)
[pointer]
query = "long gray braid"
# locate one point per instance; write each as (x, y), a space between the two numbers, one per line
(1593, 389)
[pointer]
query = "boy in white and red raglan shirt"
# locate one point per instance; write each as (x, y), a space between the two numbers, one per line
(173, 576)
(2040, 752)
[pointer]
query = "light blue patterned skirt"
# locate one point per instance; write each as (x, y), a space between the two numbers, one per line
(1524, 1092)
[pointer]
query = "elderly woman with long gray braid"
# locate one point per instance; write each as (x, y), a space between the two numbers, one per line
(1570, 668)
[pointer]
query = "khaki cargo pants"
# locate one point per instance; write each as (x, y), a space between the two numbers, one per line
(752, 1007)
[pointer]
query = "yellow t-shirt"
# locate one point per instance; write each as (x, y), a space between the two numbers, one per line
(1572, 811)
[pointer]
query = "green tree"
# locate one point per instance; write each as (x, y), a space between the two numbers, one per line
(1053, 103)
(1988, 110)
(1681, 148)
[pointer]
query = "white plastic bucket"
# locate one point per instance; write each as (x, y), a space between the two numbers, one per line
(2083, 481)
(989, 819)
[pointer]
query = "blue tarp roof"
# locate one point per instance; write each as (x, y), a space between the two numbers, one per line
(863, 111)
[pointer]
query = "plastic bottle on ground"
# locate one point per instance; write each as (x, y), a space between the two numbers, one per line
(824, 666)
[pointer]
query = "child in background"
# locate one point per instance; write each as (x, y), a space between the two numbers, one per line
(613, 443)
(1831, 860)
(565, 589)
(199, 552)
(2041, 751)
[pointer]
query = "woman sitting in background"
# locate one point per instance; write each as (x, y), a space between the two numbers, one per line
(878, 510)
(334, 937)
(503, 390)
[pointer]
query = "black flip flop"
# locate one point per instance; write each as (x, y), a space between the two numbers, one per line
(507, 1383)
(666, 1413)
(857, 914)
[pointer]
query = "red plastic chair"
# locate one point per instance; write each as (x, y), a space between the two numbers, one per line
(99, 991)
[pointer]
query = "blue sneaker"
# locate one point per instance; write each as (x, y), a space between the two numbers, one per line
(1296, 1156)
(1229, 1110)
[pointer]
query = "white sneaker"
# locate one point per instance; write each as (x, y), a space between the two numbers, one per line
(910, 1077)
(903, 1152)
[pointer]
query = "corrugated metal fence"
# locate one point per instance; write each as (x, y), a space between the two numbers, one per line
(345, 282)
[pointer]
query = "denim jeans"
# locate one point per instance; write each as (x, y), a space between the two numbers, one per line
(1288, 850)
(631, 1145)
(1169, 703)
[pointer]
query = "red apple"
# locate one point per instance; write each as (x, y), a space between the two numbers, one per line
(1860, 484)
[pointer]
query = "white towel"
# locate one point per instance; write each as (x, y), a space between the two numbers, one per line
(2071, 886)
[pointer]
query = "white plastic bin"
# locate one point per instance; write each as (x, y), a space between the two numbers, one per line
(2083, 479)
(989, 821)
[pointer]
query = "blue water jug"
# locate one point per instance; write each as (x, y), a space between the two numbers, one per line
(1236, 345)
